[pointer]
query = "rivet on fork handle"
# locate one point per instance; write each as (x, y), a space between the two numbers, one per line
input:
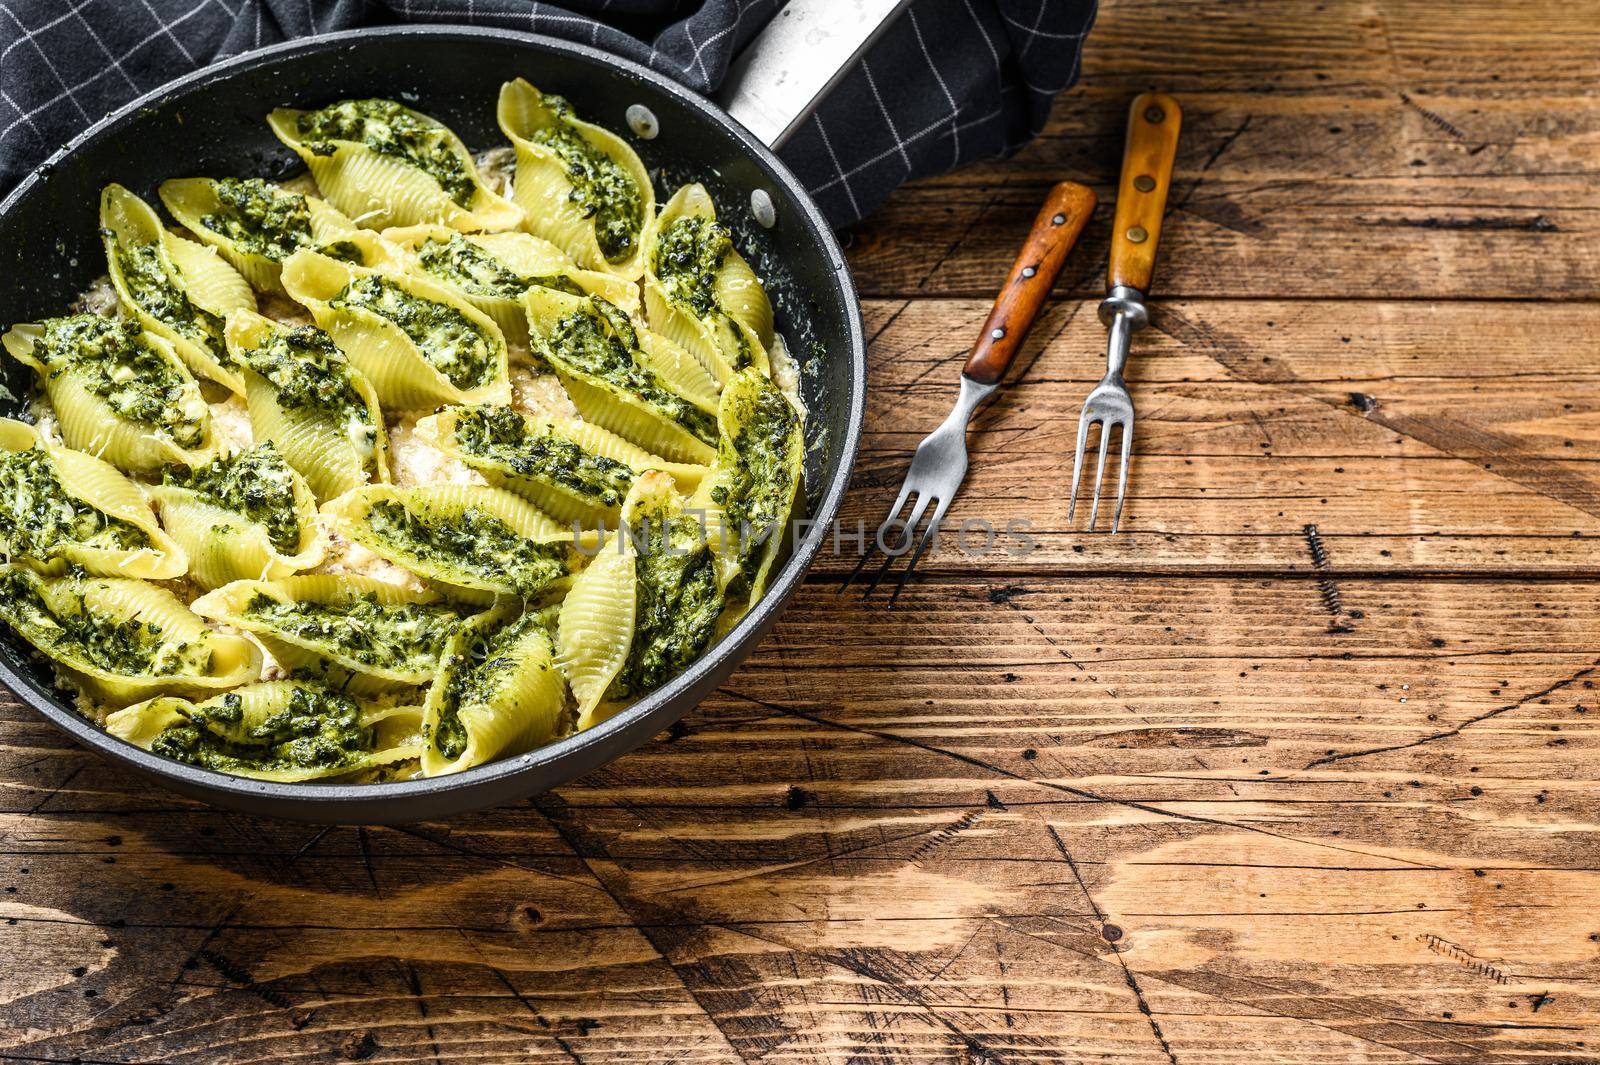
(1147, 158)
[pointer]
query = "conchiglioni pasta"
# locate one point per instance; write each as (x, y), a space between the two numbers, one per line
(342, 487)
(498, 692)
(117, 640)
(579, 186)
(383, 164)
(491, 271)
(700, 292)
(177, 289)
(61, 507)
(254, 223)
(417, 342)
(281, 730)
(355, 633)
(475, 540)
(638, 385)
(118, 392)
(575, 471)
(305, 398)
(243, 515)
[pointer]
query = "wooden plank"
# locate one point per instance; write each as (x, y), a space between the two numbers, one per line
(1333, 150)
(1060, 806)
(1411, 435)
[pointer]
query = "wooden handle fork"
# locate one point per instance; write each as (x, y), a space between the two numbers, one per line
(1147, 157)
(1062, 218)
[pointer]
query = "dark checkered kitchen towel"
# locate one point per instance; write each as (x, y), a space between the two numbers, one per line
(951, 82)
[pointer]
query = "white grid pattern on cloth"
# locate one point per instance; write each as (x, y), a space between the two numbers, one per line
(952, 82)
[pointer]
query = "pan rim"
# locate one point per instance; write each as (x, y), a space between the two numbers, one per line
(628, 729)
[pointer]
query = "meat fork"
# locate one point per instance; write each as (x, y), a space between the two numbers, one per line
(940, 463)
(1147, 157)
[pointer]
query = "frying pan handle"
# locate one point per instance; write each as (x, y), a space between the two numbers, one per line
(797, 59)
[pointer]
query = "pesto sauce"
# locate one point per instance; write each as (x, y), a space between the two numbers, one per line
(601, 188)
(115, 362)
(259, 218)
(317, 729)
(390, 129)
(502, 438)
(755, 498)
(80, 634)
(310, 374)
(153, 286)
(583, 340)
(480, 671)
(475, 542)
(450, 341)
(405, 637)
(677, 601)
(38, 518)
(256, 484)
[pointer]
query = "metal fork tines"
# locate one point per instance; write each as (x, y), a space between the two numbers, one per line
(1109, 405)
(937, 471)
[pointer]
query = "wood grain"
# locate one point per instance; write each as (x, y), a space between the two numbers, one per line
(1302, 768)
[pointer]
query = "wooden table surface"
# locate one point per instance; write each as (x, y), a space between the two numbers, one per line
(1303, 767)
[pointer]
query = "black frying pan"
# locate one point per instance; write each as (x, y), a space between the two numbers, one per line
(212, 123)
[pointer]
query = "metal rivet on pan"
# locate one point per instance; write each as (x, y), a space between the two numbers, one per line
(1154, 115)
(1059, 219)
(643, 122)
(1144, 182)
(761, 207)
(1028, 271)
(998, 333)
(1138, 235)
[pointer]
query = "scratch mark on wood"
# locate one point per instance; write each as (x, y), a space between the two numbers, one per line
(1457, 953)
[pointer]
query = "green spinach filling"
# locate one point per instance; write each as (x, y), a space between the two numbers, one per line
(81, 635)
(152, 285)
(450, 341)
(404, 637)
(114, 362)
(501, 438)
(460, 262)
(38, 518)
(316, 729)
(756, 498)
(599, 341)
(601, 188)
(488, 658)
(390, 129)
(256, 484)
(310, 374)
(688, 254)
(259, 218)
(677, 602)
(473, 542)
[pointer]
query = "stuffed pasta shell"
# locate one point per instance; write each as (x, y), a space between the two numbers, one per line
(417, 342)
(355, 633)
(177, 289)
(574, 470)
(60, 507)
(629, 380)
(119, 393)
(117, 639)
(700, 292)
(286, 731)
(647, 606)
(255, 224)
(309, 402)
(475, 541)
(498, 692)
(579, 186)
(383, 164)
(243, 515)
(491, 271)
